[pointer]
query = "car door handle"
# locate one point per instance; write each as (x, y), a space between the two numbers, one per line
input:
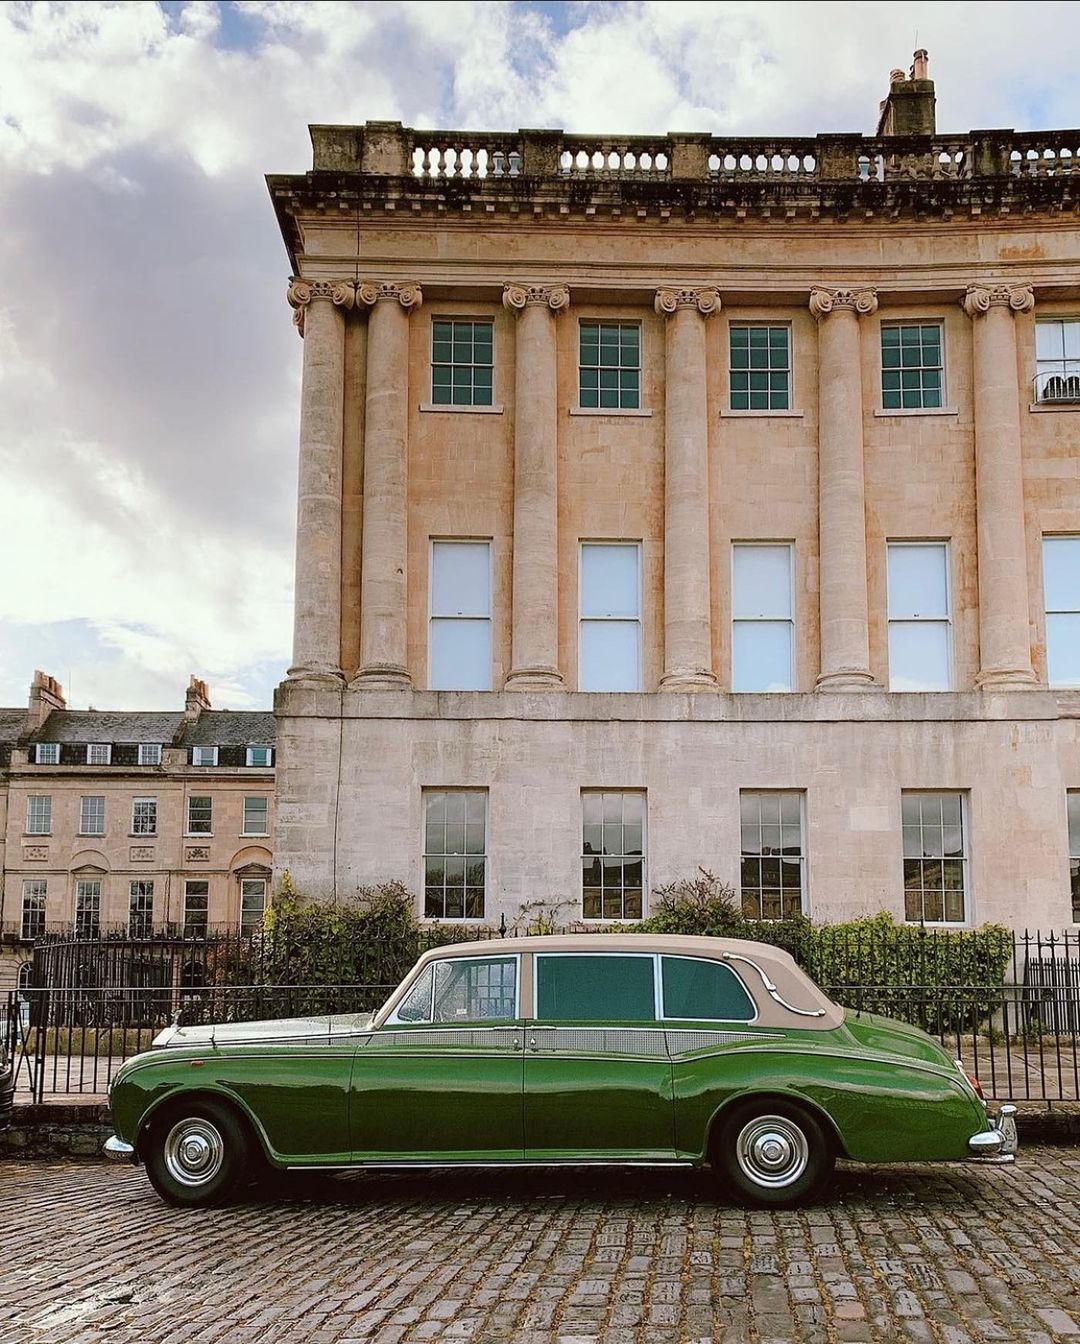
(532, 1043)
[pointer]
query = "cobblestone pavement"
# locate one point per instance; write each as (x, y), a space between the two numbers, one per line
(88, 1254)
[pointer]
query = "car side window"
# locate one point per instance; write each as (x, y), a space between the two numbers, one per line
(699, 990)
(600, 988)
(475, 989)
(416, 1005)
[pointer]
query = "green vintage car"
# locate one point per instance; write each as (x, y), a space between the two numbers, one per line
(585, 1048)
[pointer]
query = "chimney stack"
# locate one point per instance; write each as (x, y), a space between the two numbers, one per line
(910, 107)
(46, 694)
(196, 699)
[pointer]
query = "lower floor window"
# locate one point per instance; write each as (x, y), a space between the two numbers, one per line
(612, 854)
(196, 908)
(935, 858)
(141, 909)
(33, 909)
(252, 903)
(1074, 852)
(771, 863)
(455, 853)
(87, 909)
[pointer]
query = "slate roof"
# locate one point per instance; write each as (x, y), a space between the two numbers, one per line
(230, 728)
(12, 723)
(214, 727)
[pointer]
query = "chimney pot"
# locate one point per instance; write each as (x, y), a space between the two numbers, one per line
(197, 698)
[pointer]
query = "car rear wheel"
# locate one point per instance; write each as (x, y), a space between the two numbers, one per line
(196, 1154)
(773, 1154)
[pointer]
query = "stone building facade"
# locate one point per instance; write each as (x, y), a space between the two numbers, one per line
(118, 822)
(685, 501)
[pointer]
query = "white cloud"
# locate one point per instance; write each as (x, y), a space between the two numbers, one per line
(148, 370)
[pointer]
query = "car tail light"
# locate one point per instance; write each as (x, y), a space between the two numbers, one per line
(975, 1084)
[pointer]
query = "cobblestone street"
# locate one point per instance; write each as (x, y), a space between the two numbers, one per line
(634, 1257)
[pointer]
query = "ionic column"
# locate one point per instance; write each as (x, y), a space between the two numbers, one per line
(534, 659)
(384, 546)
(1004, 638)
(687, 616)
(843, 611)
(319, 313)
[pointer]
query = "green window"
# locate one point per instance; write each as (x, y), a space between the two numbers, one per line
(760, 368)
(609, 366)
(911, 366)
(461, 362)
(704, 991)
(600, 988)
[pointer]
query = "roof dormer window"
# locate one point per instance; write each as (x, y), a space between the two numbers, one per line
(260, 756)
(204, 755)
(47, 753)
(98, 753)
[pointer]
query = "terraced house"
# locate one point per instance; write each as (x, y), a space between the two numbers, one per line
(118, 822)
(686, 500)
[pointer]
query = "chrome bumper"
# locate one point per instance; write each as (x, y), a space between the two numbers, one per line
(118, 1150)
(999, 1143)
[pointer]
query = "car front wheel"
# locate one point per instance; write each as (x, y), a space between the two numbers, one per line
(774, 1154)
(196, 1154)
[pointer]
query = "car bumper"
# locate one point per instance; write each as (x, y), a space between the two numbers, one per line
(118, 1150)
(999, 1143)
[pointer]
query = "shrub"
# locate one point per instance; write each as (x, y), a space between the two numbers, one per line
(706, 906)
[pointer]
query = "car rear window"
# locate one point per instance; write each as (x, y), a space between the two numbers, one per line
(600, 988)
(703, 991)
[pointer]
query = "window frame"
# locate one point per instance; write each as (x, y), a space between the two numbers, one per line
(255, 797)
(965, 861)
(91, 747)
(898, 324)
(184, 921)
(621, 919)
(188, 832)
(1072, 845)
(135, 830)
(407, 986)
(245, 881)
(804, 857)
(620, 323)
(40, 747)
(147, 916)
(767, 620)
(432, 616)
(1062, 371)
(149, 746)
(95, 896)
(463, 918)
(83, 800)
(1049, 611)
(45, 798)
(252, 764)
(945, 544)
(639, 620)
(197, 749)
(711, 961)
(599, 952)
(747, 324)
(451, 405)
(26, 933)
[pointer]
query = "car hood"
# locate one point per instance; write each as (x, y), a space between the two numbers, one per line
(312, 1029)
(887, 1036)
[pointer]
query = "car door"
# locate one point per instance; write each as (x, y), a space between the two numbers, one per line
(441, 1080)
(597, 1072)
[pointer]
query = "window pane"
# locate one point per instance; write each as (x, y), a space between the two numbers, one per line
(475, 989)
(1074, 824)
(460, 655)
(595, 988)
(609, 656)
(761, 656)
(609, 580)
(919, 656)
(1063, 650)
(416, 1005)
(461, 578)
(1061, 573)
(704, 990)
(918, 581)
(1049, 340)
(761, 577)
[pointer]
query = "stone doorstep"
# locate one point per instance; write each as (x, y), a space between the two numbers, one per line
(78, 1126)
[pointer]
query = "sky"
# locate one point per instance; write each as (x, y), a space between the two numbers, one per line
(149, 370)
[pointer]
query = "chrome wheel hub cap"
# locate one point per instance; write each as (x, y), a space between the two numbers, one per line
(772, 1151)
(194, 1151)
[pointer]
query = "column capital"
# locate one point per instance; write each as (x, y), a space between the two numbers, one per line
(341, 293)
(669, 301)
(825, 300)
(979, 299)
(407, 292)
(516, 298)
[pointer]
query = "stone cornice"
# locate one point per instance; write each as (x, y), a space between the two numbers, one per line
(669, 301)
(824, 300)
(979, 299)
(516, 298)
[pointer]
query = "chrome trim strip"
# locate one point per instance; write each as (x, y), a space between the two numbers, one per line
(514, 1162)
(771, 989)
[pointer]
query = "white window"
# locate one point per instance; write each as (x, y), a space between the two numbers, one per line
(252, 903)
(33, 910)
(196, 908)
(609, 630)
(98, 753)
(39, 814)
(1057, 356)
(144, 816)
(47, 753)
(935, 858)
(772, 859)
(204, 755)
(260, 756)
(763, 626)
(255, 810)
(149, 753)
(88, 909)
(1061, 586)
(459, 656)
(140, 909)
(200, 815)
(92, 815)
(920, 636)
